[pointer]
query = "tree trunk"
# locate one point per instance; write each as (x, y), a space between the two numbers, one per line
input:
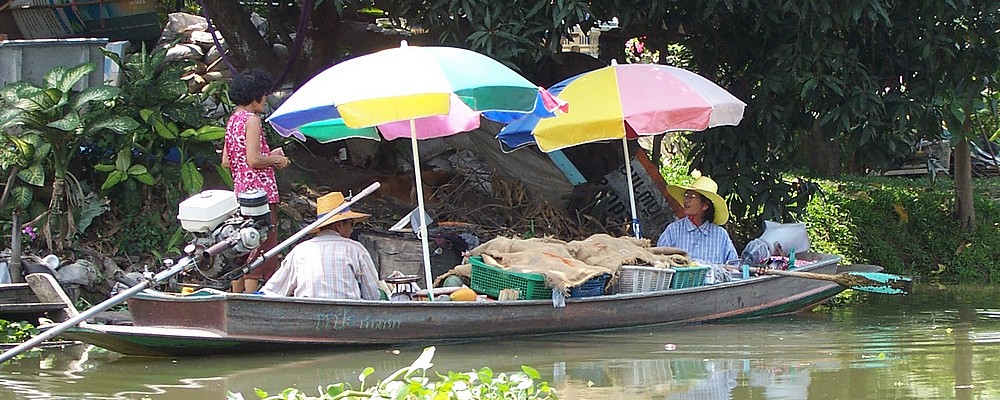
(821, 154)
(247, 48)
(14, 263)
(56, 216)
(965, 211)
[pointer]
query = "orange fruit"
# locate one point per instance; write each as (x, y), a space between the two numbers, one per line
(463, 294)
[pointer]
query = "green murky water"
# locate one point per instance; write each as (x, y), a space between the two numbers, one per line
(924, 346)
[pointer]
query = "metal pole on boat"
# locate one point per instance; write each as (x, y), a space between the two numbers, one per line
(104, 305)
(182, 264)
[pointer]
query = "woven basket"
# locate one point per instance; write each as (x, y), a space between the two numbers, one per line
(636, 279)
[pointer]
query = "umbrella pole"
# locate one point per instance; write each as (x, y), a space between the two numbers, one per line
(631, 189)
(420, 208)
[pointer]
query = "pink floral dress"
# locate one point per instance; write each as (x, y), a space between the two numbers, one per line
(246, 177)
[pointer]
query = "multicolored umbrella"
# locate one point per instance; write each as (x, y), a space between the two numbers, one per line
(409, 91)
(625, 102)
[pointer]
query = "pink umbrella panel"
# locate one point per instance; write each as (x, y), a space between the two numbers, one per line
(621, 102)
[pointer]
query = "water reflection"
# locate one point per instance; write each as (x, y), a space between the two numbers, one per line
(865, 352)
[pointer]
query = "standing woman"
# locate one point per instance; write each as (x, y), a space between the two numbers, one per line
(247, 155)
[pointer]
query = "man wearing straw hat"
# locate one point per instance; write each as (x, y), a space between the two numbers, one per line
(331, 264)
(700, 232)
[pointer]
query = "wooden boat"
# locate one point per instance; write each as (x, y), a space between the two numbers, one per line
(210, 321)
(19, 303)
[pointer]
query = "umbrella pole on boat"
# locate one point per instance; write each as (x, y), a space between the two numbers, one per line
(420, 209)
(631, 189)
(875, 282)
(183, 264)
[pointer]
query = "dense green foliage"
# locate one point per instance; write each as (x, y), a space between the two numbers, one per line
(46, 124)
(828, 85)
(411, 383)
(907, 226)
(122, 137)
(162, 160)
(16, 332)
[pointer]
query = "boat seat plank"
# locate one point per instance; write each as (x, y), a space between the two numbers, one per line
(30, 307)
(14, 292)
(47, 290)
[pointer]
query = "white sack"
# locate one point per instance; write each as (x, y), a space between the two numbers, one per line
(784, 237)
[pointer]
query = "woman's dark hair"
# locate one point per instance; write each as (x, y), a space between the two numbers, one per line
(250, 85)
(710, 212)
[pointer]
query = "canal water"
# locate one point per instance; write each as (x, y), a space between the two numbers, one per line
(931, 345)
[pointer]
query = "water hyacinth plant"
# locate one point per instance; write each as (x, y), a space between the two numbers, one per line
(412, 383)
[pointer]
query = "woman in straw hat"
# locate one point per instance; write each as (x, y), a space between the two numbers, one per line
(331, 264)
(699, 232)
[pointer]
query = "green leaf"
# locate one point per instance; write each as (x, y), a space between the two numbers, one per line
(114, 178)
(485, 374)
(119, 124)
(42, 148)
(26, 149)
(137, 169)
(20, 196)
(210, 133)
(72, 76)
(146, 114)
(54, 76)
(164, 130)
(104, 167)
(93, 93)
(191, 178)
(33, 175)
(957, 112)
(334, 390)
(531, 372)
(69, 123)
(90, 209)
(225, 174)
(12, 92)
(123, 160)
(145, 178)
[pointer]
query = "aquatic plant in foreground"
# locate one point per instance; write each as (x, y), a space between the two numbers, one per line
(412, 383)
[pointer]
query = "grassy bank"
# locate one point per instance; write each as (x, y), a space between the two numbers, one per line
(908, 227)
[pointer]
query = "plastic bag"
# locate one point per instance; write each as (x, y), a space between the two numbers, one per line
(757, 252)
(785, 237)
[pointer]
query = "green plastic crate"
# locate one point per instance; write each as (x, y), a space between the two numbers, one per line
(686, 277)
(490, 280)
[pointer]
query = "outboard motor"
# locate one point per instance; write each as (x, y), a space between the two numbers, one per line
(214, 216)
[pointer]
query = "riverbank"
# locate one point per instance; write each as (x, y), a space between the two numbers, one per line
(907, 226)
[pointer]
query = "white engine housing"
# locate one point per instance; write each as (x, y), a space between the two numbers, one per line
(205, 211)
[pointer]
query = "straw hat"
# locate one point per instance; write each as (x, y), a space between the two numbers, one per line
(327, 203)
(706, 187)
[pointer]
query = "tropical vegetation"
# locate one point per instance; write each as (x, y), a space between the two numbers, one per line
(412, 383)
(850, 90)
(853, 85)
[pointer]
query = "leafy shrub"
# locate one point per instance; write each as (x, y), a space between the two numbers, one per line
(906, 226)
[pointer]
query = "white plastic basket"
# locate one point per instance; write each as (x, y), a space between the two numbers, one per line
(636, 279)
